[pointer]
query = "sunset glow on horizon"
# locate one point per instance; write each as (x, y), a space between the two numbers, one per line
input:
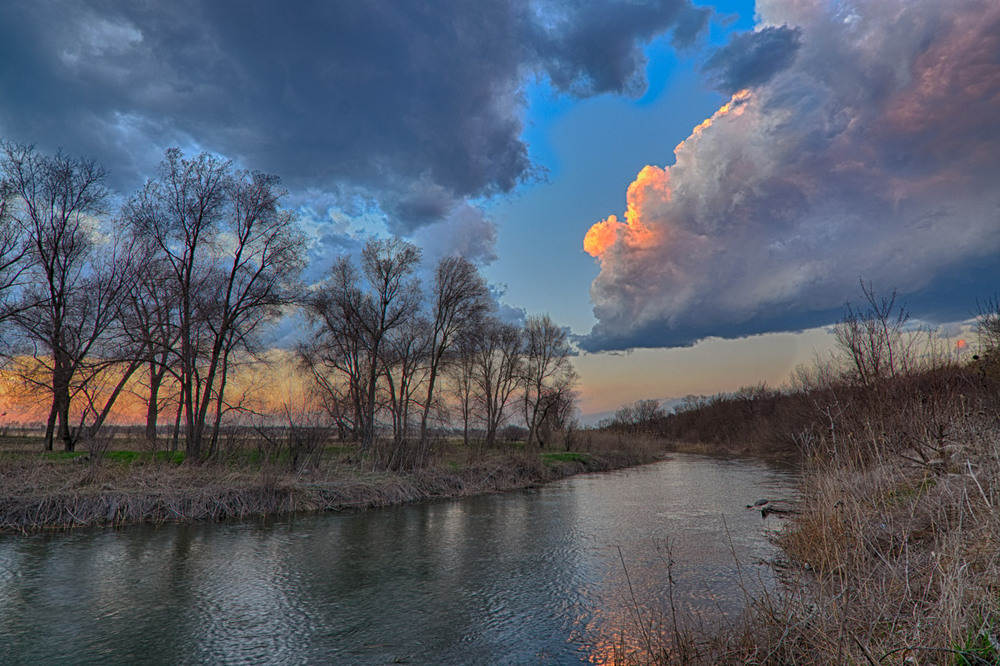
(731, 170)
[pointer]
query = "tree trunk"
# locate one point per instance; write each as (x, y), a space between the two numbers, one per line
(50, 427)
(175, 440)
(153, 403)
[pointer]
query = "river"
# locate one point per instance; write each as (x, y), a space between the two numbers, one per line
(552, 575)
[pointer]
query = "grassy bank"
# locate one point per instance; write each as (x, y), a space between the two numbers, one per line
(131, 485)
(894, 557)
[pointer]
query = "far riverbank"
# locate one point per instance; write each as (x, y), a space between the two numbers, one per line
(113, 488)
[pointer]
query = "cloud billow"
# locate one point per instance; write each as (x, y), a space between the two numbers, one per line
(415, 106)
(752, 58)
(864, 143)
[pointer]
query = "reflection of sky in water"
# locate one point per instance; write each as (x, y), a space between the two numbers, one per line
(526, 577)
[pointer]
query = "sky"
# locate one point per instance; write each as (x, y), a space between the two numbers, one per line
(693, 189)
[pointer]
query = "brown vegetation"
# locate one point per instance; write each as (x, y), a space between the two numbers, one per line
(893, 557)
(257, 479)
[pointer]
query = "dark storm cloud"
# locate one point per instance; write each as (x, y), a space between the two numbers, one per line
(752, 58)
(415, 104)
(593, 48)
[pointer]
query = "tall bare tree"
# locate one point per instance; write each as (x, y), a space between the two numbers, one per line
(111, 356)
(338, 356)
(233, 257)
(460, 301)
(462, 376)
(75, 276)
(498, 356)
(547, 373)
(403, 358)
(181, 213)
(148, 317)
(388, 266)
(356, 312)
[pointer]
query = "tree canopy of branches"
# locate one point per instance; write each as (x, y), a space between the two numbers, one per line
(356, 312)
(12, 253)
(460, 302)
(872, 337)
(231, 258)
(72, 268)
(639, 416)
(497, 365)
(547, 374)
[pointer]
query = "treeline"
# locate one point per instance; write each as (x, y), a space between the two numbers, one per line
(166, 293)
(384, 350)
(886, 376)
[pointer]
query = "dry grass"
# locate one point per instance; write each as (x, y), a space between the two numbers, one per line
(895, 556)
(98, 488)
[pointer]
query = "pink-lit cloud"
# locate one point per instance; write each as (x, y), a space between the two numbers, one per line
(866, 143)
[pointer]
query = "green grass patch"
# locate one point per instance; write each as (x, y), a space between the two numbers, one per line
(979, 647)
(565, 456)
(176, 457)
(123, 457)
(63, 455)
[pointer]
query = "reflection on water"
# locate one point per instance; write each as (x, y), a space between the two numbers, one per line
(532, 577)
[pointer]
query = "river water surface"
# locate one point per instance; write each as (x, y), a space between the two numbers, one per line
(551, 575)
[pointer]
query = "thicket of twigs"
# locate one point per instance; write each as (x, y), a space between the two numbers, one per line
(894, 557)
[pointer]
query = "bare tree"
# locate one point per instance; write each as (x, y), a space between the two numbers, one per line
(73, 280)
(338, 356)
(496, 370)
(403, 360)
(356, 312)
(388, 266)
(641, 415)
(462, 373)
(258, 277)
(180, 214)
(872, 337)
(233, 256)
(460, 302)
(547, 373)
(110, 356)
(148, 321)
(559, 419)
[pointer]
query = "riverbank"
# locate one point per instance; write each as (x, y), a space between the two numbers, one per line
(116, 488)
(888, 563)
(892, 556)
